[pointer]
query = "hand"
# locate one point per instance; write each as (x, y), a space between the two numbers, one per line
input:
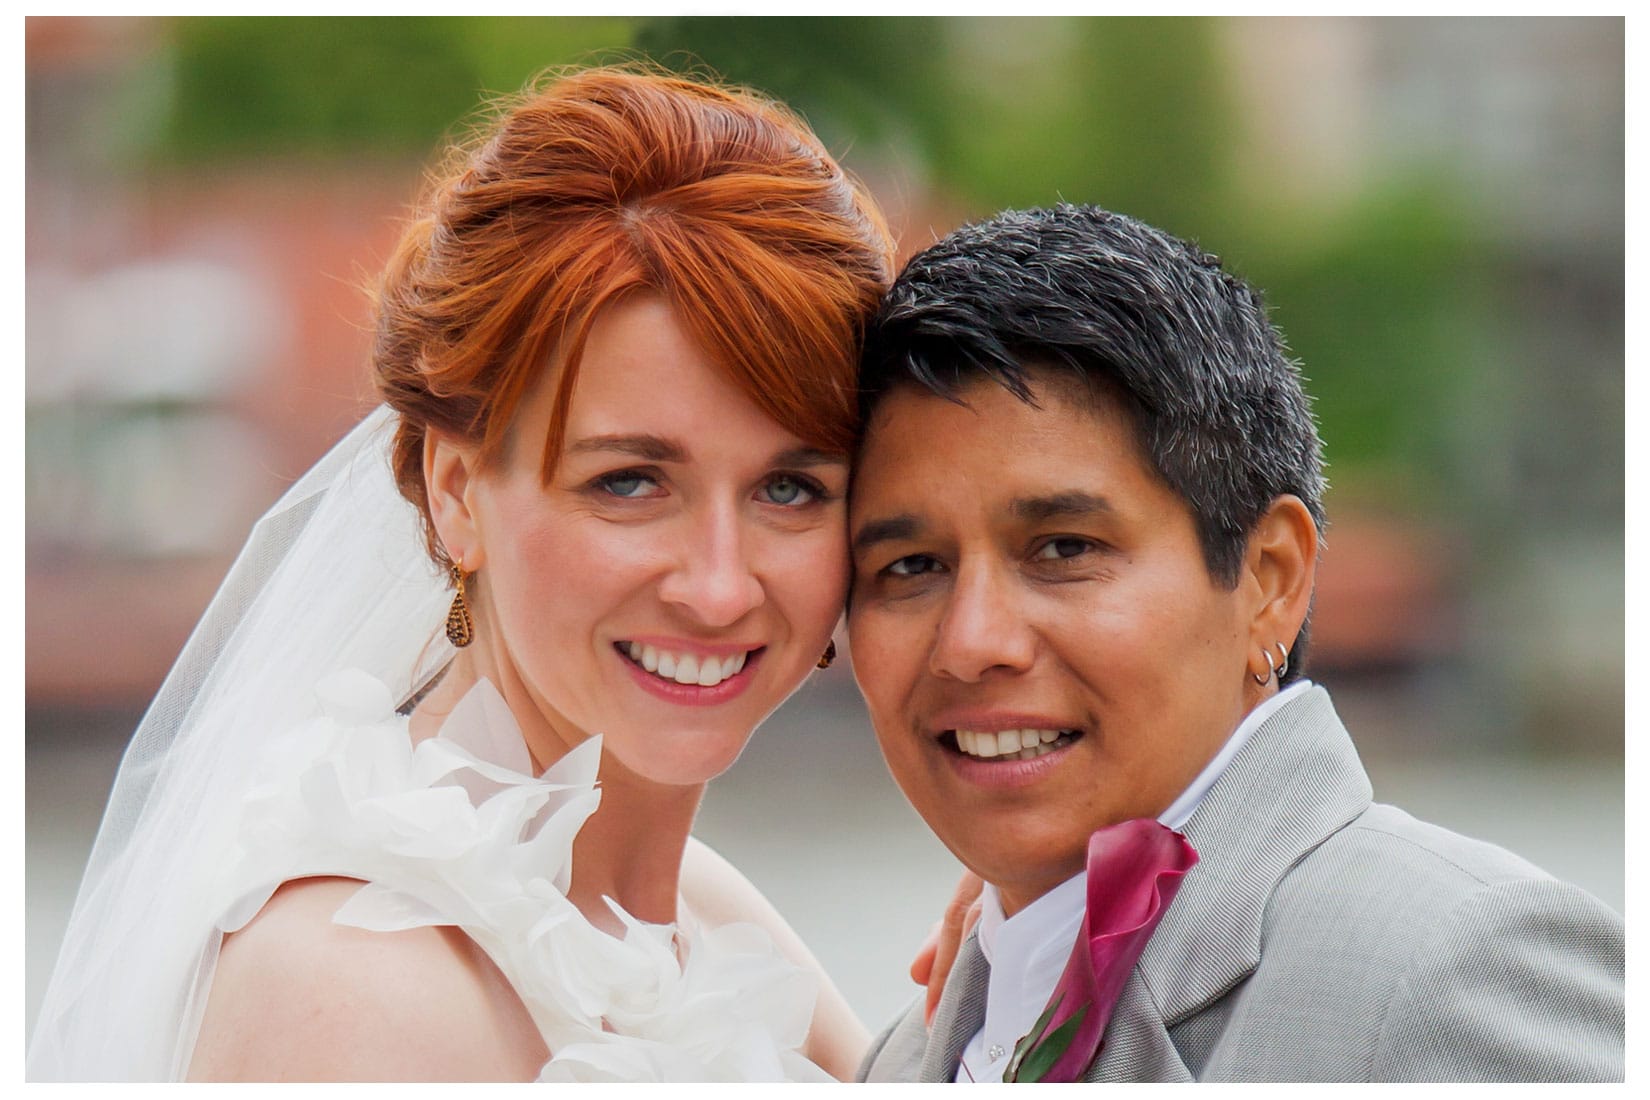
(938, 952)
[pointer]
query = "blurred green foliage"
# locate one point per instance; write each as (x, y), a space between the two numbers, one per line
(354, 85)
(860, 83)
(1137, 115)
(1385, 309)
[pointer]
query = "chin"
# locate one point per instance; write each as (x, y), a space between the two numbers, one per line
(1029, 865)
(693, 761)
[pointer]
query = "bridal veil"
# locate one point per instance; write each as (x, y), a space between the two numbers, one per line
(334, 576)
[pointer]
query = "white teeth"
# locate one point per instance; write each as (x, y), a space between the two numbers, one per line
(1024, 744)
(685, 668)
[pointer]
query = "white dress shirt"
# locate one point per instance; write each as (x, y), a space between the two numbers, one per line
(1028, 951)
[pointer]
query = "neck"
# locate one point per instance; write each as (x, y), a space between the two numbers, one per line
(631, 848)
(1016, 897)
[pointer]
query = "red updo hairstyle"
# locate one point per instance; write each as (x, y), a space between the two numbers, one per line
(606, 181)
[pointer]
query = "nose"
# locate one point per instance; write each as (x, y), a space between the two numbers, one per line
(712, 577)
(984, 629)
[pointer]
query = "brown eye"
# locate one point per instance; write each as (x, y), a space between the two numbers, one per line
(1060, 549)
(914, 565)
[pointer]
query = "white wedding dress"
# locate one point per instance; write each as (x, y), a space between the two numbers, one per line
(275, 751)
(454, 831)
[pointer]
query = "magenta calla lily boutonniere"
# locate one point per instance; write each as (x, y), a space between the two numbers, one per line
(1134, 872)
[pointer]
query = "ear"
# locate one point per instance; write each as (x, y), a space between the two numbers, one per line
(1281, 564)
(450, 468)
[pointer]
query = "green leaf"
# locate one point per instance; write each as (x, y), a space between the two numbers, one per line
(1041, 1058)
(1030, 1039)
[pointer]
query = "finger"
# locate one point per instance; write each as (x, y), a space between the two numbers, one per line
(923, 964)
(961, 914)
(945, 954)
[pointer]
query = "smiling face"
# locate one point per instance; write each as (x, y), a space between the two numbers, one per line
(1043, 651)
(680, 573)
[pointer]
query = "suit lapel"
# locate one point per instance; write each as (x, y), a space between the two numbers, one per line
(961, 1012)
(1137, 1045)
(1296, 782)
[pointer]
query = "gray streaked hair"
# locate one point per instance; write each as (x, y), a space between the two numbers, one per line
(1134, 314)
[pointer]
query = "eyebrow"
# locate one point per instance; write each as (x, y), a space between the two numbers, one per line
(652, 448)
(808, 456)
(655, 448)
(888, 529)
(1055, 505)
(1031, 509)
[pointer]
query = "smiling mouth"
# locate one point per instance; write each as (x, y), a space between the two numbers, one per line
(684, 668)
(1007, 745)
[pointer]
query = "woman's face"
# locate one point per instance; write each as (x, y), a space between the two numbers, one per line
(682, 571)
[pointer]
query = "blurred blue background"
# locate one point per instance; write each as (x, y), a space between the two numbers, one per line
(1433, 207)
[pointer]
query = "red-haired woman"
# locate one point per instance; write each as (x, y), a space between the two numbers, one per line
(617, 347)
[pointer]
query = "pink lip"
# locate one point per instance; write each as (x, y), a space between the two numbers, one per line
(692, 695)
(1005, 774)
(995, 721)
(697, 648)
(995, 773)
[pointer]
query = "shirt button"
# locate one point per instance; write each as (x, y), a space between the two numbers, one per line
(995, 1052)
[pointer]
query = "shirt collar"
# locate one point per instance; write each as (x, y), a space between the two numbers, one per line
(1179, 812)
(1028, 951)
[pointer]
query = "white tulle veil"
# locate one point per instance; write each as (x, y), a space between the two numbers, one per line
(333, 576)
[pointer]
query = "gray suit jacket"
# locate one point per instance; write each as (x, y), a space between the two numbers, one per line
(1323, 937)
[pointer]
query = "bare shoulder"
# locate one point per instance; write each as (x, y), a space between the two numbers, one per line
(298, 998)
(717, 894)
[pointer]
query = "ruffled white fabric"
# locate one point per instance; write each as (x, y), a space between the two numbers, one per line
(454, 831)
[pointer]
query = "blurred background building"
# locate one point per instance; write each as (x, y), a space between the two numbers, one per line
(1434, 208)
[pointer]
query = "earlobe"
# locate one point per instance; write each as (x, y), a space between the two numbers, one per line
(449, 472)
(1282, 561)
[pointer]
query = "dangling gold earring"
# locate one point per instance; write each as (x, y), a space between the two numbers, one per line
(460, 628)
(829, 655)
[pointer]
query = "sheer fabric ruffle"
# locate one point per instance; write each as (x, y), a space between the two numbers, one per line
(454, 831)
(331, 617)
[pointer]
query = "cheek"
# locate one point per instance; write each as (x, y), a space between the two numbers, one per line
(555, 573)
(886, 654)
(809, 581)
(1162, 628)
(1181, 665)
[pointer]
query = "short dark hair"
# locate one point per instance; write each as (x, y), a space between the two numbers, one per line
(1132, 312)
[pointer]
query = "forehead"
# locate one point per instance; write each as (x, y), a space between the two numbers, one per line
(995, 445)
(642, 371)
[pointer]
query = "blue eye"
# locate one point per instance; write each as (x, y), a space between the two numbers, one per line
(790, 491)
(914, 565)
(627, 484)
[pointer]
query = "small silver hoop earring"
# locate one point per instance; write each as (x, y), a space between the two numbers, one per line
(1283, 664)
(1270, 669)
